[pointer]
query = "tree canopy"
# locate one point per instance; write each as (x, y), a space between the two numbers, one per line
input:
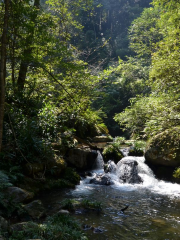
(159, 110)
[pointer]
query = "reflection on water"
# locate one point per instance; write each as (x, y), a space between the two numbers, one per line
(153, 212)
(149, 215)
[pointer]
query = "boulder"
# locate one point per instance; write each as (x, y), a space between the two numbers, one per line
(35, 209)
(57, 167)
(133, 151)
(101, 179)
(63, 212)
(3, 224)
(127, 171)
(81, 158)
(19, 226)
(164, 149)
(125, 151)
(31, 184)
(102, 139)
(85, 174)
(18, 195)
(37, 170)
(110, 166)
(112, 152)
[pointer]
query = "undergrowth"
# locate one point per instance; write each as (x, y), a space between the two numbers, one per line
(60, 227)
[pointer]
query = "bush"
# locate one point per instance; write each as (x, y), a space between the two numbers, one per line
(176, 173)
(71, 175)
(56, 227)
(137, 149)
(112, 152)
(136, 152)
(120, 140)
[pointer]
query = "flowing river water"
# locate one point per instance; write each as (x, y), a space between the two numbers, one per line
(153, 211)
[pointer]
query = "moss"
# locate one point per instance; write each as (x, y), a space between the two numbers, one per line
(112, 152)
(164, 148)
(95, 205)
(136, 152)
(72, 205)
(170, 139)
(71, 175)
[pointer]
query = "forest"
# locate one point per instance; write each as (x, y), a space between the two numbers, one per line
(71, 71)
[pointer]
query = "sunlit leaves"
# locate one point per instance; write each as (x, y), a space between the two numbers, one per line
(144, 33)
(156, 33)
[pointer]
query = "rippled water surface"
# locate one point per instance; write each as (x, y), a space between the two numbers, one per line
(153, 212)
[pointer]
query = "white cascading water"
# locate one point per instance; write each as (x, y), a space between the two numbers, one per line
(149, 180)
(99, 161)
(153, 206)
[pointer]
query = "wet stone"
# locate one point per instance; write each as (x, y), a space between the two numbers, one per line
(101, 179)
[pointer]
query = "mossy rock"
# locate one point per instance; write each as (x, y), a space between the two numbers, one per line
(103, 139)
(164, 148)
(32, 185)
(81, 158)
(58, 167)
(18, 195)
(71, 175)
(136, 152)
(112, 152)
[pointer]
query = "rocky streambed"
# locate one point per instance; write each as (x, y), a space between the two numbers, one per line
(112, 201)
(149, 209)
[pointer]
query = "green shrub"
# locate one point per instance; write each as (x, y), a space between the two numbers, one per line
(120, 140)
(176, 173)
(86, 203)
(136, 152)
(68, 204)
(72, 176)
(59, 227)
(137, 148)
(112, 152)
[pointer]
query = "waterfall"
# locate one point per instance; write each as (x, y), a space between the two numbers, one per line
(99, 163)
(149, 180)
(148, 183)
(153, 205)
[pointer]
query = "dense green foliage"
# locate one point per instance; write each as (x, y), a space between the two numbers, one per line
(48, 88)
(77, 68)
(159, 110)
(113, 18)
(55, 83)
(155, 39)
(104, 37)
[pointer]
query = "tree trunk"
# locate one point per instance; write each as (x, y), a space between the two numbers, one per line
(3, 68)
(26, 55)
(23, 71)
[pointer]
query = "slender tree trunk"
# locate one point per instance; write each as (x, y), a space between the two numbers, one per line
(3, 68)
(23, 71)
(26, 56)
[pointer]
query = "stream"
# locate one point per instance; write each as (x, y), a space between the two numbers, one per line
(153, 211)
